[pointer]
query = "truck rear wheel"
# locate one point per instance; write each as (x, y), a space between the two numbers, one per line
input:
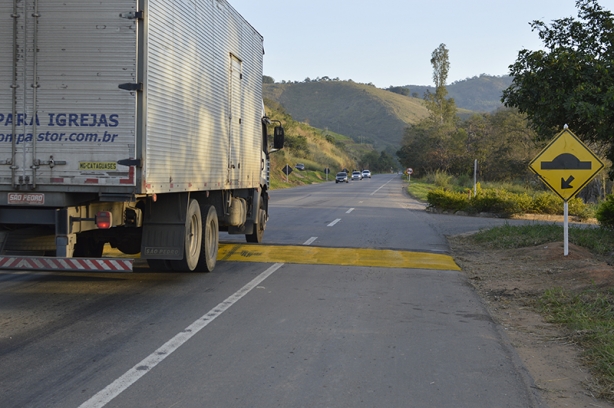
(192, 240)
(258, 235)
(210, 241)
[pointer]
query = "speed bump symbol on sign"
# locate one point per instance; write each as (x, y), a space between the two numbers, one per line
(566, 165)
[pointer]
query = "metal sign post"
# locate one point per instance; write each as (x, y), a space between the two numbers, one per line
(287, 170)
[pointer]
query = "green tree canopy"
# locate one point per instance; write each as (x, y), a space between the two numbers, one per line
(501, 141)
(401, 90)
(379, 163)
(442, 109)
(572, 80)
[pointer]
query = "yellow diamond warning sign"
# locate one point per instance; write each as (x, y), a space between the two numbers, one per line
(566, 165)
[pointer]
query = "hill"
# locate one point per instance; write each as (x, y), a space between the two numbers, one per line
(365, 113)
(480, 93)
(317, 149)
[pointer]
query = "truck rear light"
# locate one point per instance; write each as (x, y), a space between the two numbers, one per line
(104, 219)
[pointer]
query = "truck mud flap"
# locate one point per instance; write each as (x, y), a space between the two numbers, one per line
(34, 263)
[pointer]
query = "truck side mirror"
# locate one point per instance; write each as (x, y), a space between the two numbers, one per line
(278, 137)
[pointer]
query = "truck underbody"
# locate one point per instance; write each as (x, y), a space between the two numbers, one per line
(177, 231)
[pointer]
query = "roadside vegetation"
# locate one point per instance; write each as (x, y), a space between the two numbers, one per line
(446, 193)
(314, 148)
(587, 315)
(317, 150)
(598, 240)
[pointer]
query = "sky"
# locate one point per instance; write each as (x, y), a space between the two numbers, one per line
(390, 42)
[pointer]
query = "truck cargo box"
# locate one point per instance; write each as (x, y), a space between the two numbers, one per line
(113, 97)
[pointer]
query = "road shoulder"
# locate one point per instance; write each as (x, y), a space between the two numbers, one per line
(509, 281)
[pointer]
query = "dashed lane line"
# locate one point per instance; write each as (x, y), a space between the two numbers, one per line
(310, 241)
(332, 224)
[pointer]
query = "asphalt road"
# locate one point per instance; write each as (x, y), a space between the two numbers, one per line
(254, 334)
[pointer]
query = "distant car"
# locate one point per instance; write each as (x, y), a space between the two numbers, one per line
(356, 175)
(300, 166)
(366, 173)
(341, 177)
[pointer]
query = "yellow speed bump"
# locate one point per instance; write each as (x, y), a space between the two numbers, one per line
(310, 255)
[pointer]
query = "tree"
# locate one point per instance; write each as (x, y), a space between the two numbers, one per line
(442, 109)
(501, 141)
(401, 90)
(267, 79)
(572, 81)
(431, 144)
(379, 163)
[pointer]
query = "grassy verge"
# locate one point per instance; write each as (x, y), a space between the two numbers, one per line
(588, 315)
(298, 178)
(598, 240)
(419, 190)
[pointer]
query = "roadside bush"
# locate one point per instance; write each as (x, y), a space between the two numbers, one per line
(507, 186)
(605, 212)
(454, 194)
(442, 179)
(500, 201)
(579, 208)
(464, 180)
(546, 203)
(448, 200)
(298, 144)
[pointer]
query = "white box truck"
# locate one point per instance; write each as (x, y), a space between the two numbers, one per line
(138, 123)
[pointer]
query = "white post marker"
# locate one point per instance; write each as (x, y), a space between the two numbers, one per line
(475, 177)
(566, 230)
(566, 221)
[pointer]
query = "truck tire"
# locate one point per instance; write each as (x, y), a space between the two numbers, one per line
(258, 235)
(192, 240)
(210, 241)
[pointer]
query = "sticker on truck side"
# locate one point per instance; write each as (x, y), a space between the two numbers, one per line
(98, 166)
(59, 122)
(26, 198)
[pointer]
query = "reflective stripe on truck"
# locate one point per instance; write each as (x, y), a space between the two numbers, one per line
(66, 264)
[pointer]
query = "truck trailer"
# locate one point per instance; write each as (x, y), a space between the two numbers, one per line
(134, 123)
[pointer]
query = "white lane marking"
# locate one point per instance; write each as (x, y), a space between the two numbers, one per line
(334, 222)
(349, 211)
(310, 241)
(381, 187)
(148, 363)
